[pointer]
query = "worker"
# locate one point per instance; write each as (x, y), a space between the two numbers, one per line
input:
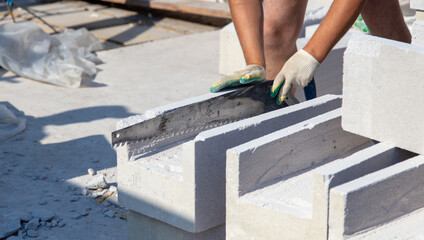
(268, 31)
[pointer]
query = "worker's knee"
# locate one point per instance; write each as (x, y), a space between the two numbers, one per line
(384, 18)
(280, 35)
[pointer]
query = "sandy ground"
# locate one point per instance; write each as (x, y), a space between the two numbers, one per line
(68, 130)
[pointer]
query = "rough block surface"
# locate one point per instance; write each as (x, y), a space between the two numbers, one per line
(383, 91)
(269, 185)
(417, 4)
(361, 163)
(376, 198)
(418, 33)
(183, 184)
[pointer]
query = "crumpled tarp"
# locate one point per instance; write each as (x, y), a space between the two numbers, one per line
(10, 125)
(60, 59)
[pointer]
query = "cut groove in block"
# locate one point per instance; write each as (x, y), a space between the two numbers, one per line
(383, 91)
(269, 182)
(376, 198)
(406, 227)
(183, 184)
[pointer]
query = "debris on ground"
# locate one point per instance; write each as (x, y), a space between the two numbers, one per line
(91, 172)
(24, 224)
(98, 182)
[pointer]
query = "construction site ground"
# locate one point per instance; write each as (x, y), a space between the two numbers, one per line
(149, 61)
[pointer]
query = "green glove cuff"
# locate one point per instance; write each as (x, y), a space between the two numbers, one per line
(252, 74)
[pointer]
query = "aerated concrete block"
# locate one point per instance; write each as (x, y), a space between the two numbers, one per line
(376, 198)
(418, 33)
(417, 4)
(269, 182)
(183, 184)
(343, 170)
(383, 91)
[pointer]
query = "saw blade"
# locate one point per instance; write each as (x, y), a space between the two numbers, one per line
(188, 121)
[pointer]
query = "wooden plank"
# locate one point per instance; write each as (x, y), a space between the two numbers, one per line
(203, 8)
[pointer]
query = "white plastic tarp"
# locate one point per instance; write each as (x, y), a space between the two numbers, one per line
(60, 59)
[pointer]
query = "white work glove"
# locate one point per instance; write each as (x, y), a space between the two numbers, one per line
(298, 71)
(252, 74)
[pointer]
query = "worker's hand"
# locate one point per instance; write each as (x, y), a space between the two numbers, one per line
(298, 71)
(252, 74)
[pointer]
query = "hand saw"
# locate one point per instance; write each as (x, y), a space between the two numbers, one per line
(188, 121)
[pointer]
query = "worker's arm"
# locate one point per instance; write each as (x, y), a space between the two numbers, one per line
(339, 19)
(247, 16)
(301, 67)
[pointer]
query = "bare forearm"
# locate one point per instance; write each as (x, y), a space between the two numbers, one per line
(339, 19)
(248, 20)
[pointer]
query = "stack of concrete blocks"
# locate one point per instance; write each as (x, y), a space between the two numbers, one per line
(383, 96)
(309, 171)
(277, 188)
(178, 192)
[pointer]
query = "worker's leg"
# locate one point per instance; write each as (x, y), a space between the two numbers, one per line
(384, 19)
(247, 16)
(283, 20)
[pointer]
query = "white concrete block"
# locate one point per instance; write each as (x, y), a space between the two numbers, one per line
(269, 185)
(405, 6)
(418, 33)
(343, 170)
(417, 4)
(376, 198)
(183, 184)
(383, 91)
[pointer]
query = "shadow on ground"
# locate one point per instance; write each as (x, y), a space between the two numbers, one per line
(65, 159)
